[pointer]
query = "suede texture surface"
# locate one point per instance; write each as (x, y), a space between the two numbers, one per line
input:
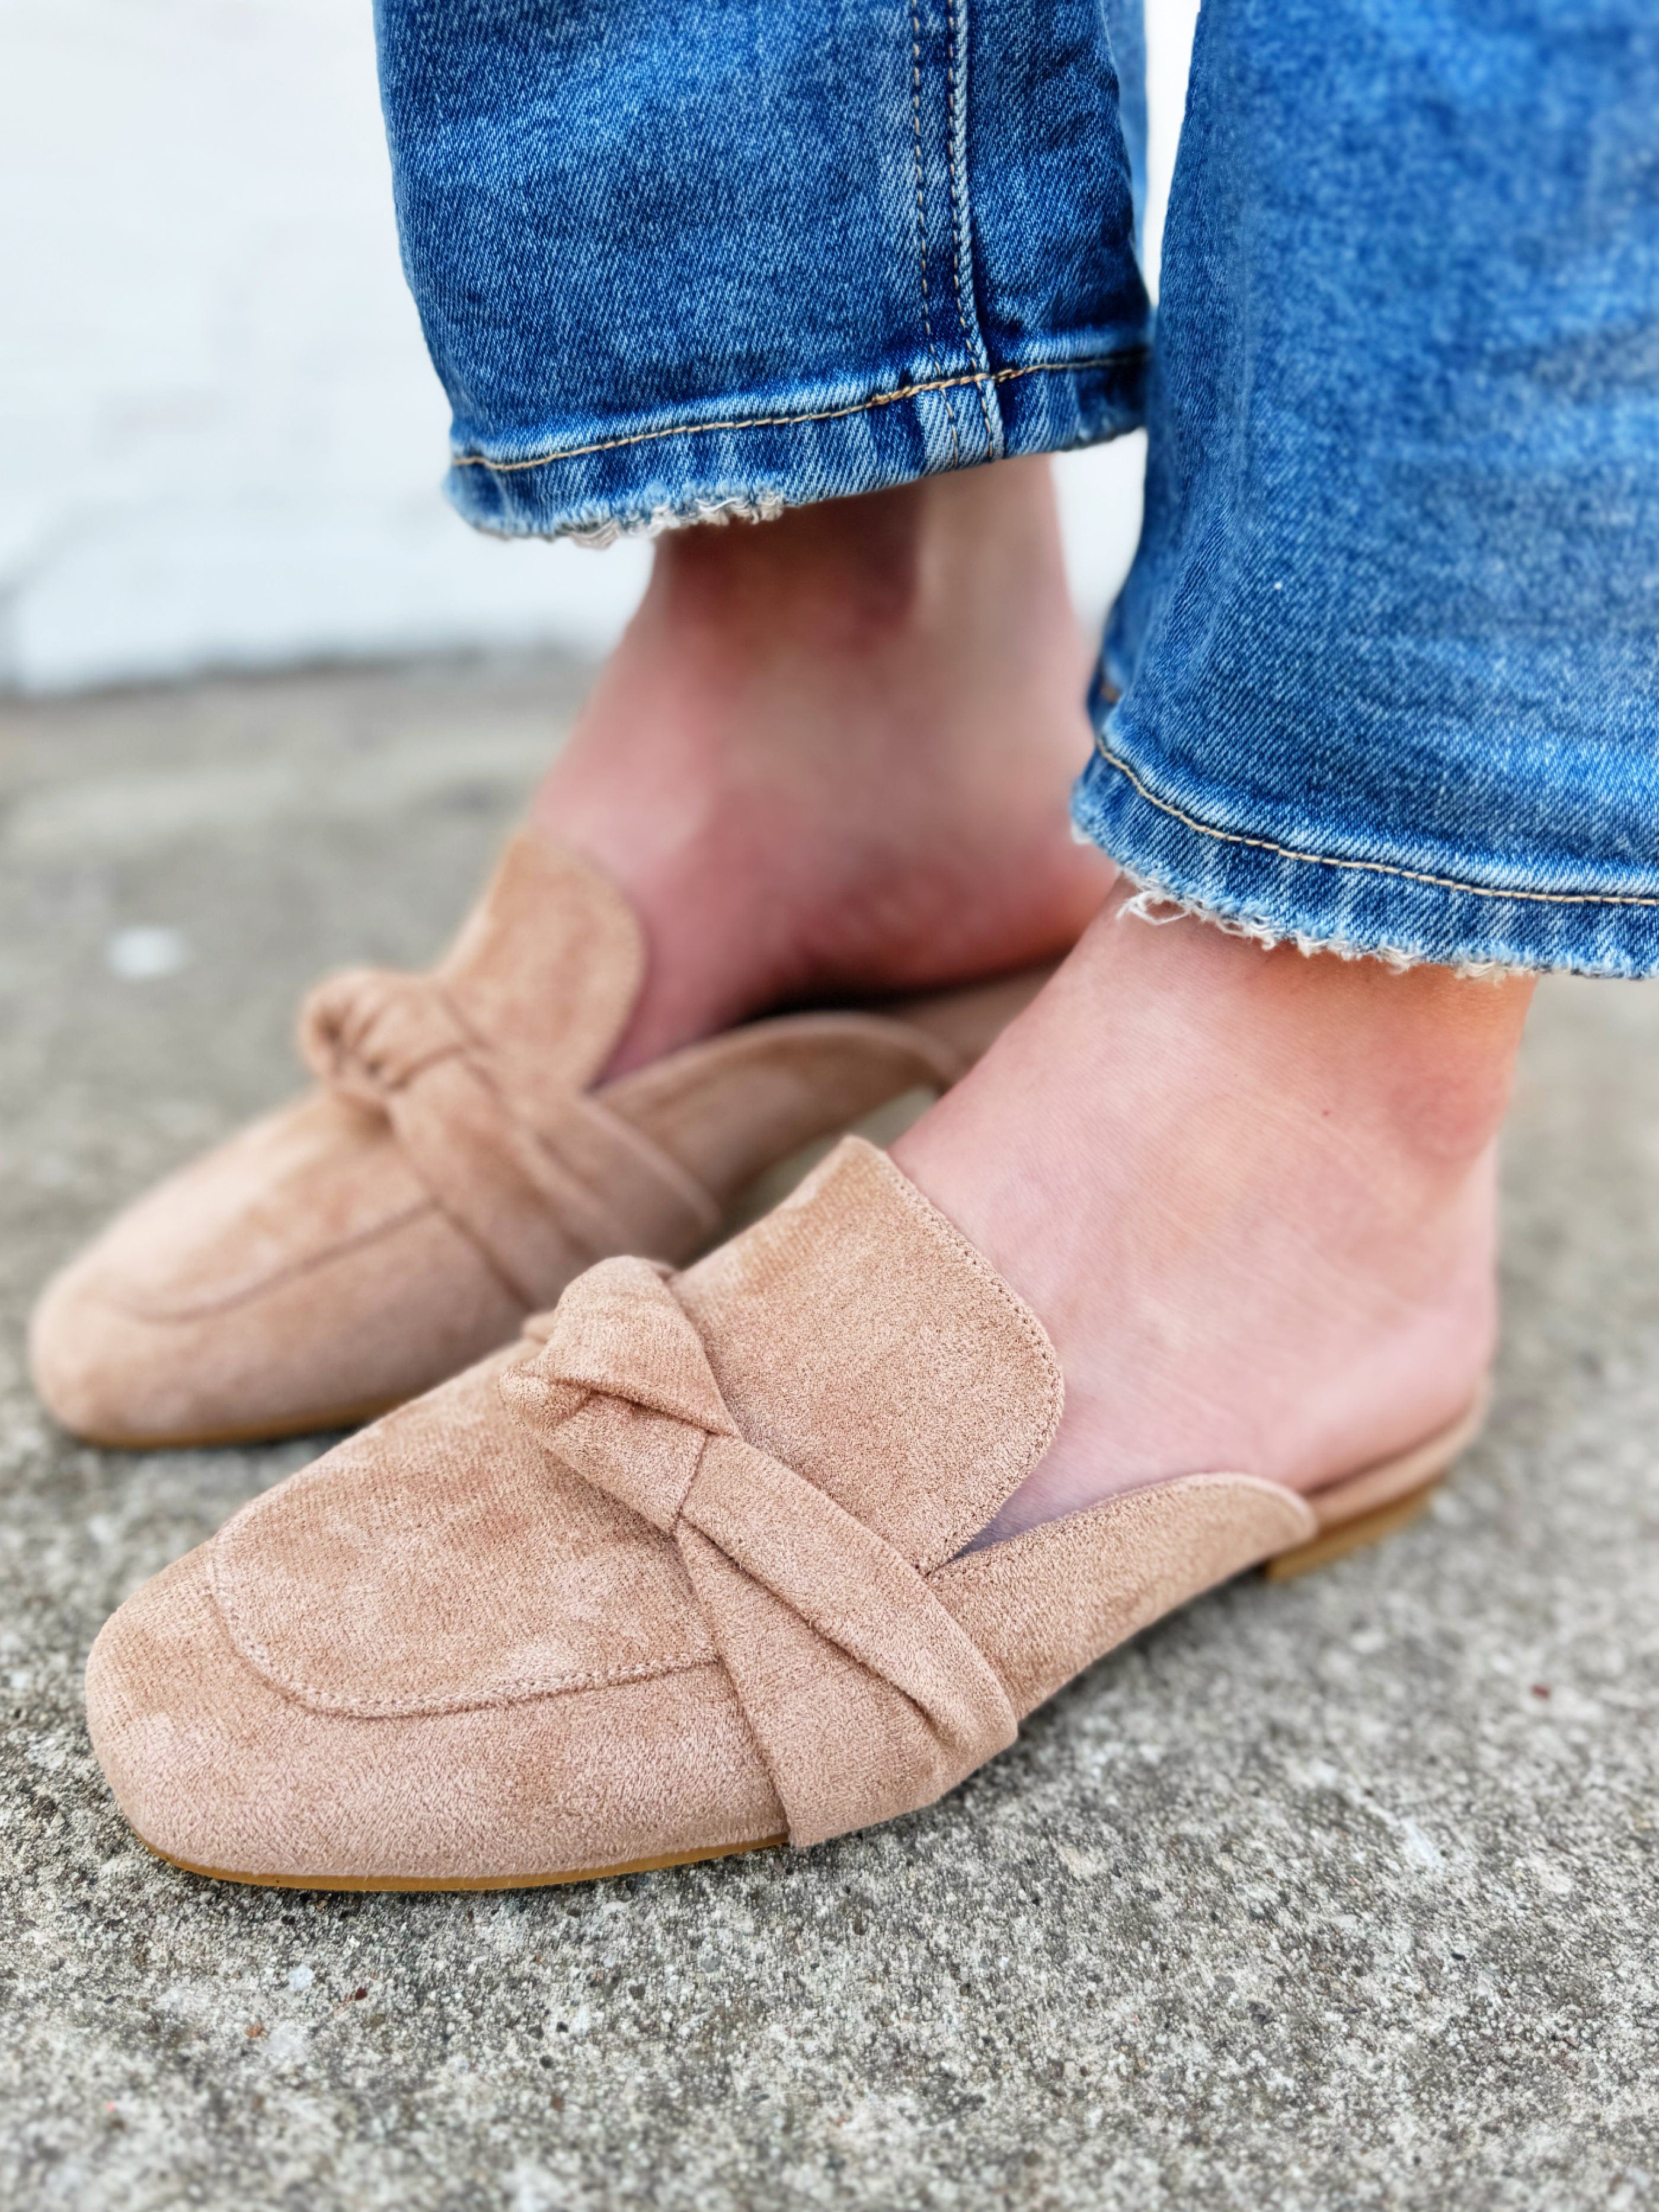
(682, 1570)
(456, 1168)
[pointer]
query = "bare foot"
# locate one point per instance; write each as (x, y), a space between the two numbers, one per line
(1252, 1196)
(831, 755)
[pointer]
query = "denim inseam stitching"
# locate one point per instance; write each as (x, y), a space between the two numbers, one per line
(921, 216)
(974, 352)
(787, 422)
(1369, 867)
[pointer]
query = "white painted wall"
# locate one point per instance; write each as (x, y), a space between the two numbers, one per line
(220, 439)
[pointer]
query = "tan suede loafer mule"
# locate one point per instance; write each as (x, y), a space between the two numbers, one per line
(682, 1574)
(454, 1170)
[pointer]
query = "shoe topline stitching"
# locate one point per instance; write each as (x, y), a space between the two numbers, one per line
(1031, 1327)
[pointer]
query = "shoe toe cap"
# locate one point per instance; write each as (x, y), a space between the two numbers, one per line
(129, 1380)
(167, 1732)
(107, 1374)
(233, 1302)
(222, 1772)
(67, 1376)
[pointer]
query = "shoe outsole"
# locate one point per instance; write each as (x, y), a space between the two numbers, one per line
(260, 1432)
(403, 1884)
(1334, 1544)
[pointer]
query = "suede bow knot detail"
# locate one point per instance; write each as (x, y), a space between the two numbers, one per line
(866, 1697)
(369, 1031)
(537, 1199)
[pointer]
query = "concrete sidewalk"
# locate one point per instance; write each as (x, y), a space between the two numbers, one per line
(1339, 1895)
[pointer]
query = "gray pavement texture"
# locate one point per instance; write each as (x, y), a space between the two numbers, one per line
(1338, 1894)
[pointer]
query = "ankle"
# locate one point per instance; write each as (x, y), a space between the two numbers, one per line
(887, 572)
(1152, 1029)
(1420, 1063)
(831, 755)
(849, 575)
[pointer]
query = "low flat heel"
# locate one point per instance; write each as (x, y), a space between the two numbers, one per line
(1350, 1535)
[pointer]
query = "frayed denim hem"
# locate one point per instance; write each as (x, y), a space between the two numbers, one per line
(760, 508)
(1155, 904)
(1254, 886)
(755, 463)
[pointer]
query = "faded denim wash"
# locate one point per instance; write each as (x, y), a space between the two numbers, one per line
(1388, 658)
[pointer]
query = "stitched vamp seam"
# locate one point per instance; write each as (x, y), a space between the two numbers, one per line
(522, 1691)
(140, 1308)
(509, 1694)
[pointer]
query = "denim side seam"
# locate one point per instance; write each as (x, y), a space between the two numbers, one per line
(961, 221)
(939, 152)
(1271, 893)
(943, 384)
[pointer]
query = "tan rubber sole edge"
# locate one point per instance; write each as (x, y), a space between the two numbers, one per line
(1352, 1536)
(312, 1425)
(1365, 1508)
(404, 1885)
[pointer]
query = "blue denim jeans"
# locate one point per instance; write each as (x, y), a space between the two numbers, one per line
(1385, 676)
